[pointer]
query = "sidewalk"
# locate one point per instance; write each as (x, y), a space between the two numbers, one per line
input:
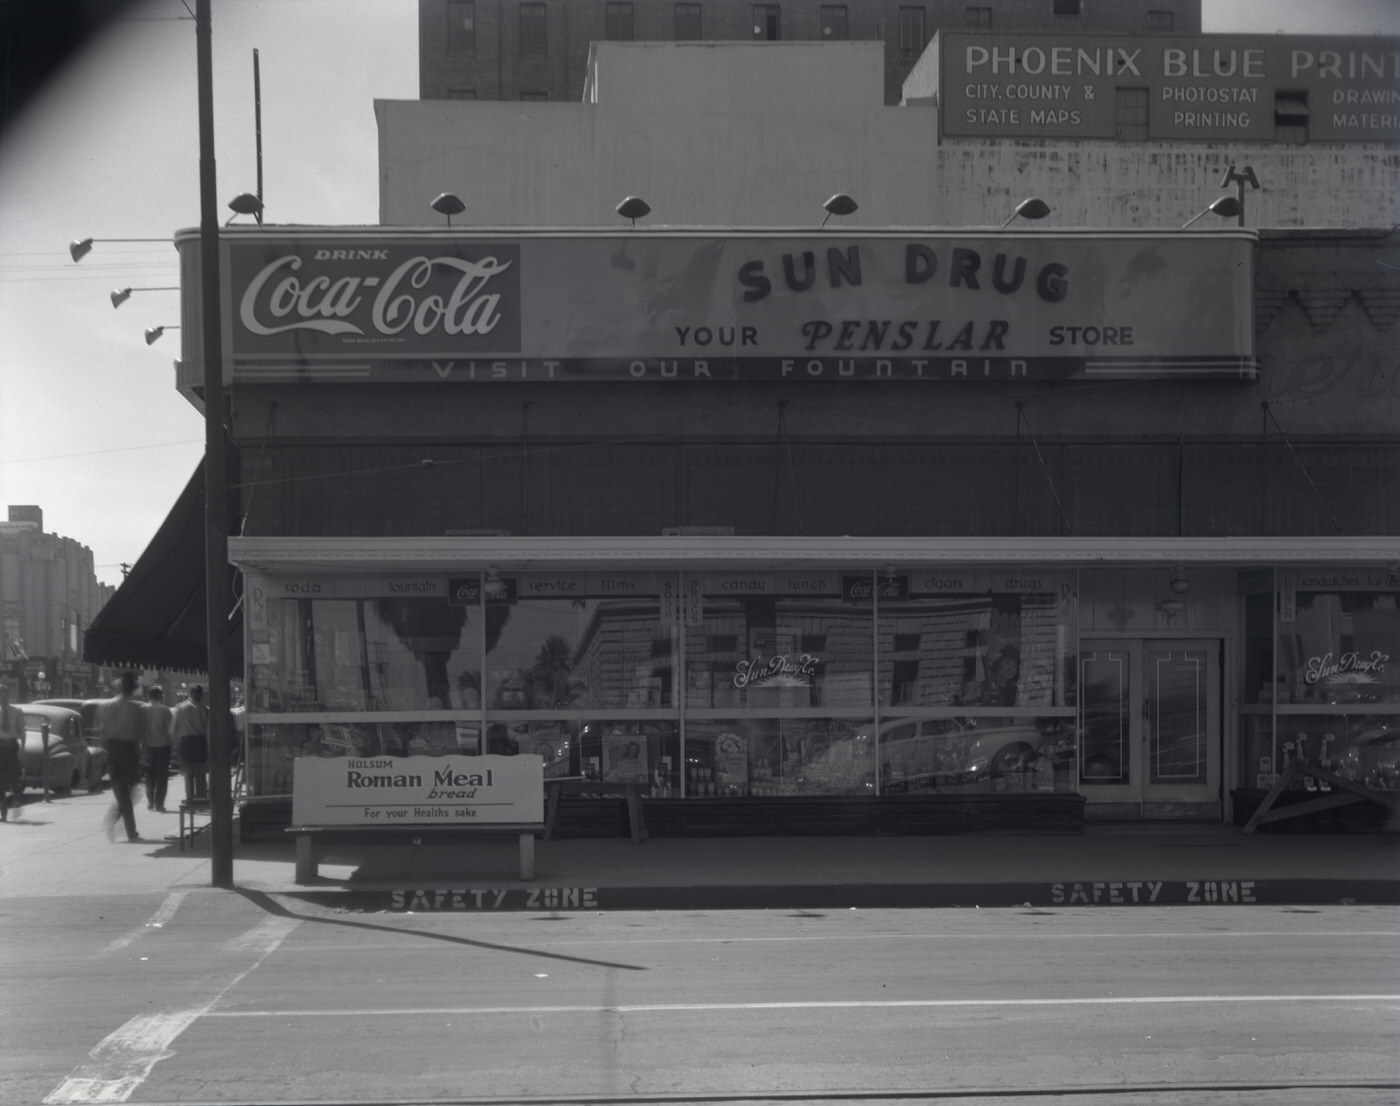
(59, 849)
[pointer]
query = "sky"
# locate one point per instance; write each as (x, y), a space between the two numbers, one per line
(91, 428)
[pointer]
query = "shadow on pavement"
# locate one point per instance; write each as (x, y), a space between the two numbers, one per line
(271, 905)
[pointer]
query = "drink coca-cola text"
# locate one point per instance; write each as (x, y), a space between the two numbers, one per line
(278, 299)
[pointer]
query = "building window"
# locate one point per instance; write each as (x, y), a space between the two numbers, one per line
(461, 94)
(1130, 114)
(618, 22)
(904, 682)
(687, 23)
(1161, 21)
(461, 26)
(534, 29)
(527, 94)
(767, 22)
(979, 18)
(1067, 7)
(1291, 115)
(912, 33)
(835, 21)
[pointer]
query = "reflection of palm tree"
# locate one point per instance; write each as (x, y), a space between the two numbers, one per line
(547, 680)
(430, 631)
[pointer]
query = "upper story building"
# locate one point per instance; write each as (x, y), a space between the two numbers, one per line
(539, 49)
(49, 594)
(1129, 463)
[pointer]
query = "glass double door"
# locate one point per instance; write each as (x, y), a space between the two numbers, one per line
(1151, 736)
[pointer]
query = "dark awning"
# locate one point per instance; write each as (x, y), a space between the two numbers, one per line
(156, 618)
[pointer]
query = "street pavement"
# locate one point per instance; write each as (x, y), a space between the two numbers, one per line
(59, 848)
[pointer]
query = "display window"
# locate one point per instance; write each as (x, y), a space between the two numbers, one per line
(737, 756)
(574, 641)
(704, 685)
(976, 754)
(271, 749)
(1322, 680)
(987, 649)
(644, 752)
(774, 640)
(1340, 647)
(374, 653)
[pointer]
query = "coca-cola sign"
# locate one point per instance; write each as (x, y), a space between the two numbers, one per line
(431, 305)
(428, 298)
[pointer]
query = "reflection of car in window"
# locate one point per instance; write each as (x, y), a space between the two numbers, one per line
(968, 754)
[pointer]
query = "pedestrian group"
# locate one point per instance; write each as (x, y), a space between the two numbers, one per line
(134, 731)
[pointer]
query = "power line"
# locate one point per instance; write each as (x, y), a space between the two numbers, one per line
(100, 452)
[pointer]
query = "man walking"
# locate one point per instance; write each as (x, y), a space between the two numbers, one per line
(123, 730)
(11, 739)
(159, 720)
(190, 731)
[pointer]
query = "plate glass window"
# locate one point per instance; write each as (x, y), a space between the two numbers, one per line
(913, 35)
(619, 21)
(767, 22)
(835, 22)
(461, 26)
(1130, 114)
(688, 26)
(534, 30)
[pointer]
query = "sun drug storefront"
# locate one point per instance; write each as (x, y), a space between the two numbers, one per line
(723, 666)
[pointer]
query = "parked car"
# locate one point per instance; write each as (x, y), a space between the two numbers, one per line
(88, 708)
(92, 722)
(68, 760)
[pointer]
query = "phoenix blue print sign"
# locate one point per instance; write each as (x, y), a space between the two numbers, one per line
(395, 305)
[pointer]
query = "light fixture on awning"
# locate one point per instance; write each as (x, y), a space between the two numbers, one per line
(1032, 208)
(153, 333)
(1239, 178)
(839, 204)
(634, 208)
(246, 203)
(79, 248)
(121, 295)
(1225, 207)
(449, 204)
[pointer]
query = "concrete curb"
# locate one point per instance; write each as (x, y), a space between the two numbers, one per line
(466, 898)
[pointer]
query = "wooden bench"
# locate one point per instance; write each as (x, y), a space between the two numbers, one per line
(314, 841)
(557, 787)
(195, 815)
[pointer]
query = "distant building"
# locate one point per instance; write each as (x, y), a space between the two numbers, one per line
(49, 594)
(539, 49)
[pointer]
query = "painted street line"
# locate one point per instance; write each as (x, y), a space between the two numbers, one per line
(156, 921)
(852, 1004)
(123, 1059)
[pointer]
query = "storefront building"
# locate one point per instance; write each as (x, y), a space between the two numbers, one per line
(474, 519)
(860, 512)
